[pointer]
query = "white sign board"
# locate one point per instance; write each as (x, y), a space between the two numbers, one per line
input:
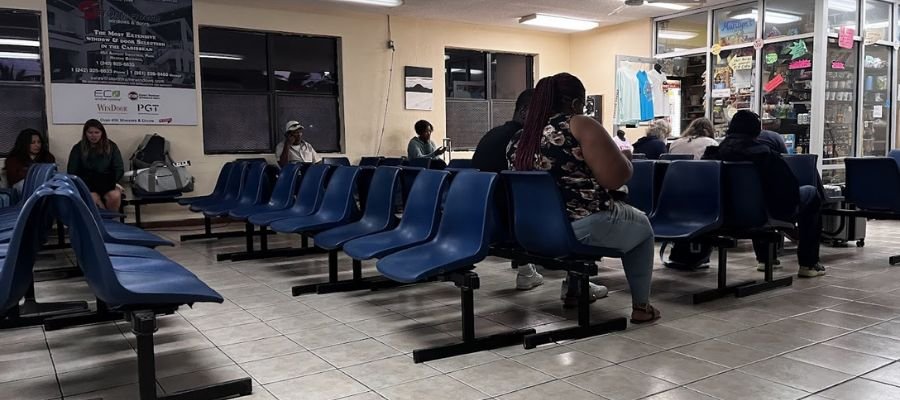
(123, 105)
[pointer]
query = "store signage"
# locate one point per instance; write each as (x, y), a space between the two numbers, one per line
(737, 31)
(128, 62)
(877, 112)
(845, 37)
(837, 65)
(741, 63)
(774, 83)
(872, 37)
(758, 44)
(797, 49)
(771, 58)
(721, 93)
(800, 64)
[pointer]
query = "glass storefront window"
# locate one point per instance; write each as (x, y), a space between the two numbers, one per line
(789, 17)
(878, 20)
(840, 103)
(732, 85)
(682, 33)
(876, 101)
(787, 91)
(735, 25)
(843, 13)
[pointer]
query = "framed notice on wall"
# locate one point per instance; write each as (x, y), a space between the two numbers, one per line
(126, 62)
(419, 88)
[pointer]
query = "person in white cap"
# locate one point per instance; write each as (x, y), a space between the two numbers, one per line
(294, 148)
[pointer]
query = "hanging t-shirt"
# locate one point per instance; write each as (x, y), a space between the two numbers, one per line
(627, 102)
(645, 94)
(660, 102)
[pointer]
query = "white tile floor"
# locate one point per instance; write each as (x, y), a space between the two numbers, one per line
(836, 337)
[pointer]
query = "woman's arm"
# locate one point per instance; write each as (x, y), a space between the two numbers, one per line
(74, 166)
(610, 167)
(15, 170)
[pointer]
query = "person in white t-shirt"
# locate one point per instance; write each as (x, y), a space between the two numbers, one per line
(294, 148)
(623, 143)
(698, 136)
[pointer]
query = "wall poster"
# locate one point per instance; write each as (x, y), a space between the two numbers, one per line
(123, 62)
(419, 88)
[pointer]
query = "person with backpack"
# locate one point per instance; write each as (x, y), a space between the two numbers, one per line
(98, 161)
(294, 148)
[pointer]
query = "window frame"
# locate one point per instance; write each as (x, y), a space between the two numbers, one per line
(272, 92)
(40, 85)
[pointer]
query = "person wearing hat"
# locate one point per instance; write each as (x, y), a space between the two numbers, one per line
(294, 148)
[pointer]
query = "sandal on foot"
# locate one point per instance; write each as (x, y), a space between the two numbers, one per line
(643, 314)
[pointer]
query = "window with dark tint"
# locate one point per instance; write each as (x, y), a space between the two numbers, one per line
(473, 105)
(255, 82)
(21, 76)
(466, 76)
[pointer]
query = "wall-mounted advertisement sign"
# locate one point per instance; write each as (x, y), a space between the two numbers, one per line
(127, 62)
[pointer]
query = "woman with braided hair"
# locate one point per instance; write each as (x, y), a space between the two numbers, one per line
(587, 164)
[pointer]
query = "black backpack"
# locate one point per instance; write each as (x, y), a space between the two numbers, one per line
(153, 148)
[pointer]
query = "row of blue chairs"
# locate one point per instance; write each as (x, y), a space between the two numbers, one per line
(129, 279)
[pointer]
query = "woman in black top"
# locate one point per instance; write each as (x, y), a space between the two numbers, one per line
(97, 161)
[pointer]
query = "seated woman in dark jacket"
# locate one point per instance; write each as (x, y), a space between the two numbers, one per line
(30, 148)
(97, 161)
(654, 144)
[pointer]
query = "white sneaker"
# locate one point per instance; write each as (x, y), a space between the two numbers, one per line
(571, 301)
(761, 267)
(528, 278)
(811, 272)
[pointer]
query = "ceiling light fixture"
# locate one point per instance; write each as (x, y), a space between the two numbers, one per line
(669, 6)
(222, 56)
(19, 42)
(772, 17)
(842, 5)
(676, 35)
(20, 56)
(561, 23)
(380, 3)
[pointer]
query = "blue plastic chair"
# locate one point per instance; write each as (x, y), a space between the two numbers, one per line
(418, 225)
(36, 176)
(113, 231)
(674, 157)
(254, 191)
(460, 163)
(873, 183)
(805, 168)
(378, 215)
(392, 162)
(371, 161)
(463, 239)
(218, 190)
(16, 269)
(232, 188)
(690, 203)
(140, 287)
(423, 162)
(309, 197)
(336, 161)
(338, 206)
(282, 194)
(642, 185)
(895, 154)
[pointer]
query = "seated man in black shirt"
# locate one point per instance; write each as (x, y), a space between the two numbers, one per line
(785, 199)
(490, 155)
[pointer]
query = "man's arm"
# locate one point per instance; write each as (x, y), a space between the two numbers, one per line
(284, 156)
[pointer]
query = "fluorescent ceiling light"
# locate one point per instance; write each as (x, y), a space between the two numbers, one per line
(878, 25)
(669, 6)
(842, 5)
(562, 23)
(20, 56)
(476, 72)
(676, 35)
(772, 17)
(20, 42)
(222, 56)
(381, 3)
